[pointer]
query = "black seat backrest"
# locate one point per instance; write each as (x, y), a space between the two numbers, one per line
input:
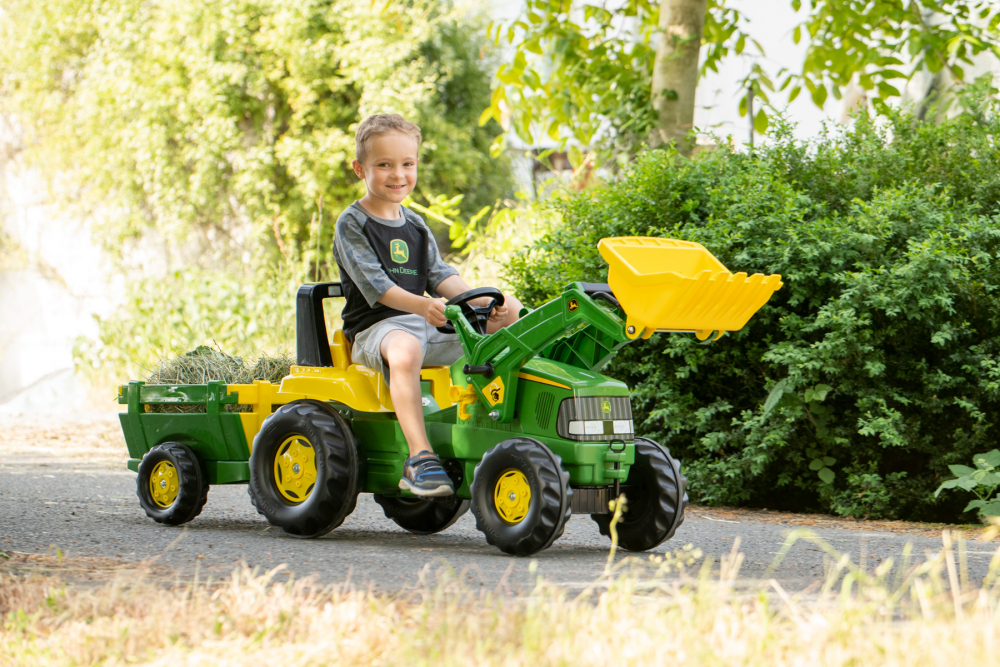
(312, 341)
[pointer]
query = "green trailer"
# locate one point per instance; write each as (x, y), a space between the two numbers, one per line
(527, 427)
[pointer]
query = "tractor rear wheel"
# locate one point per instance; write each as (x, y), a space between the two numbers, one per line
(521, 496)
(656, 495)
(172, 484)
(423, 516)
(304, 469)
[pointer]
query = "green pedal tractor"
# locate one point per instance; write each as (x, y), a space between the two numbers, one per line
(526, 426)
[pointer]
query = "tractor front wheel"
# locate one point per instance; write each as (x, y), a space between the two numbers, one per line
(656, 495)
(521, 496)
(304, 469)
(172, 484)
(423, 516)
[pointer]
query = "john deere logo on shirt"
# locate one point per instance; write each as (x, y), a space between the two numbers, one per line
(606, 406)
(399, 251)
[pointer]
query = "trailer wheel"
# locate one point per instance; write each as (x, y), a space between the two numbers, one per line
(172, 484)
(423, 516)
(521, 496)
(656, 495)
(304, 469)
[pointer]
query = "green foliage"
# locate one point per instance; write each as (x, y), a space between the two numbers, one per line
(165, 317)
(882, 44)
(875, 366)
(586, 77)
(222, 124)
(983, 480)
(226, 129)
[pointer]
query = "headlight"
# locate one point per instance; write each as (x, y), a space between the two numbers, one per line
(595, 419)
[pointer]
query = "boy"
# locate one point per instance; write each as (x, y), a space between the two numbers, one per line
(388, 259)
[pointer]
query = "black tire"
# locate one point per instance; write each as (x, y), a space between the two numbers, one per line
(334, 494)
(656, 496)
(550, 505)
(191, 483)
(423, 516)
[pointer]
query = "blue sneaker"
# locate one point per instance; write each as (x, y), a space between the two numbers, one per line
(424, 476)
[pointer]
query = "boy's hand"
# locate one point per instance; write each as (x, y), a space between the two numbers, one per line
(497, 314)
(433, 312)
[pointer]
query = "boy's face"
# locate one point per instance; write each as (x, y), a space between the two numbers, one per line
(390, 172)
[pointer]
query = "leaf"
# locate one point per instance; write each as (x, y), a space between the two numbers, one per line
(961, 471)
(795, 93)
(991, 457)
(950, 484)
(816, 464)
(487, 114)
(821, 390)
(819, 96)
(827, 475)
(990, 509)
(829, 460)
(760, 122)
(777, 392)
(974, 504)
(797, 34)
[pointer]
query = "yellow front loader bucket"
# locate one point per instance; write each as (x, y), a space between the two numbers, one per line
(669, 285)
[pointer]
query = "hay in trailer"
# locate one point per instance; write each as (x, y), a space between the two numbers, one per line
(204, 364)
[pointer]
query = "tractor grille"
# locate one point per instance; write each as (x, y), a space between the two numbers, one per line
(543, 409)
(595, 419)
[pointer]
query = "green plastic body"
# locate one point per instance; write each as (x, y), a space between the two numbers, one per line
(559, 347)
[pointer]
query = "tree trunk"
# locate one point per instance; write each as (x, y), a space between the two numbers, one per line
(675, 71)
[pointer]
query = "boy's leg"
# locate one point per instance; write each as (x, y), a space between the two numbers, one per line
(423, 473)
(404, 356)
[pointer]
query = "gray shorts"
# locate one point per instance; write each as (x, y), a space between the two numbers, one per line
(439, 349)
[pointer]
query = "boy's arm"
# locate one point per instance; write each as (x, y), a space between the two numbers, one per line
(431, 310)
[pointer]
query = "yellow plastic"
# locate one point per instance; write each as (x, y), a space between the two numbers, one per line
(164, 484)
(358, 387)
(512, 496)
(295, 469)
(340, 350)
(463, 397)
(670, 285)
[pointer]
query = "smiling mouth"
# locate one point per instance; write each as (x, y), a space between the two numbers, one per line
(396, 187)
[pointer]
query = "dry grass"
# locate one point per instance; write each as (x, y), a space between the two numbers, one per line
(203, 364)
(635, 615)
(793, 519)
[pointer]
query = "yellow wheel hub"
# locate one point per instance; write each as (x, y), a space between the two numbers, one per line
(164, 484)
(512, 496)
(295, 468)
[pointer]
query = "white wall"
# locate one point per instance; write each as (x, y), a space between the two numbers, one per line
(47, 298)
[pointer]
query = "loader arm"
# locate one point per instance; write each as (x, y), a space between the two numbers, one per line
(573, 327)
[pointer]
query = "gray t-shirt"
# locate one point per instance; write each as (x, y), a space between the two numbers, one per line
(354, 253)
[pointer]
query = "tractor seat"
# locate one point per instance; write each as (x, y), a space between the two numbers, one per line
(438, 376)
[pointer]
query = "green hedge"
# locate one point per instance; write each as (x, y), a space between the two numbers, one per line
(874, 367)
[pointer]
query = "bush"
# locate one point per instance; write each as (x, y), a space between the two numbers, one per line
(874, 367)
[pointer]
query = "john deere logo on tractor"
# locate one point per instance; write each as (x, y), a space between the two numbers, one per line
(573, 305)
(399, 251)
(606, 407)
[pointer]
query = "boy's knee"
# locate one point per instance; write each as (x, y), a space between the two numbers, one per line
(513, 309)
(402, 350)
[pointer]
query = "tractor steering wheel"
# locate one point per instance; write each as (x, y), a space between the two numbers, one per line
(477, 316)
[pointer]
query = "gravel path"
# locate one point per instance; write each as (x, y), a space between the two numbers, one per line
(85, 505)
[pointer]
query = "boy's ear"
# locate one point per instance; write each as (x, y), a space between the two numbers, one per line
(359, 169)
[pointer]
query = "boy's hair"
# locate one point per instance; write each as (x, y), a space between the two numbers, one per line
(379, 124)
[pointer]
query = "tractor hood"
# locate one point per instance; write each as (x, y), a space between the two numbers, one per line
(564, 376)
